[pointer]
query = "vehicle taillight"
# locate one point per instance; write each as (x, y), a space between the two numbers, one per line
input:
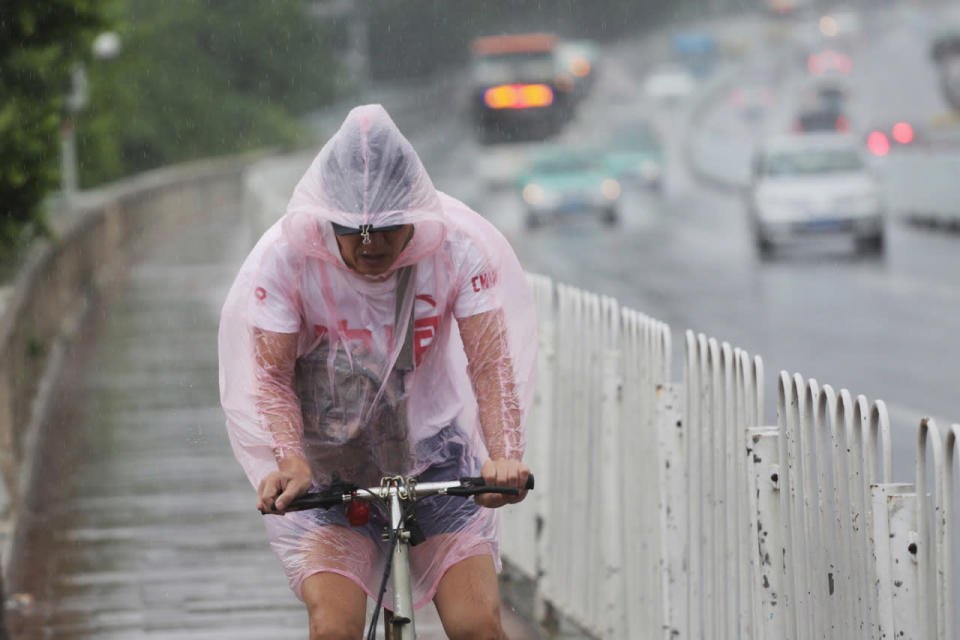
(903, 133)
(518, 96)
(842, 124)
(878, 144)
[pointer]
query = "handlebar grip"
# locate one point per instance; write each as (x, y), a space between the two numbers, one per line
(480, 482)
(310, 501)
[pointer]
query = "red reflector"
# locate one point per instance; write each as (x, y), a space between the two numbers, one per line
(518, 96)
(903, 133)
(842, 124)
(358, 513)
(878, 143)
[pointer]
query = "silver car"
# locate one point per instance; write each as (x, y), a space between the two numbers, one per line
(814, 185)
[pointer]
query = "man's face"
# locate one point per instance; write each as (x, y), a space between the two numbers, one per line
(379, 254)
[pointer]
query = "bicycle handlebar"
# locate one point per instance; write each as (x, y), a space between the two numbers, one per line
(463, 487)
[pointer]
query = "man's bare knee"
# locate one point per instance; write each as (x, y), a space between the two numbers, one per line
(336, 606)
(478, 624)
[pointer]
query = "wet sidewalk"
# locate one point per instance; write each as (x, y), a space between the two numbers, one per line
(144, 525)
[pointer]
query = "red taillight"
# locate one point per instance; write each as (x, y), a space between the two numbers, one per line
(878, 144)
(518, 96)
(842, 124)
(842, 63)
(358, 513)
(903, 133)
(815, 64)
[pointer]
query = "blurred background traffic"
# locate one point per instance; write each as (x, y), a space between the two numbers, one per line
(781, 173)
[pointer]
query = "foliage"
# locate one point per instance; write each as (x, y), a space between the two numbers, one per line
(199, 78)
(39, 43)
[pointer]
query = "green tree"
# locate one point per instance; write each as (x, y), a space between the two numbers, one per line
(199, 78)
(39, 43)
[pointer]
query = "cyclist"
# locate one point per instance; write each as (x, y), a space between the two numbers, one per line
(380, 327)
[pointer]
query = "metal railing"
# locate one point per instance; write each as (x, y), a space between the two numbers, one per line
(671, 510)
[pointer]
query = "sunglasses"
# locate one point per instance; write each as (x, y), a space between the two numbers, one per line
(364, 229)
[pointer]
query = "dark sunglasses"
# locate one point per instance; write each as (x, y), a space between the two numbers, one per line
(341, 230)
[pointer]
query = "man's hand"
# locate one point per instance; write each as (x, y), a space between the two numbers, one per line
(503, 473)
(281, 487)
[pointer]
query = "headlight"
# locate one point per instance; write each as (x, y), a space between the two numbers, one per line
(533, 194)
(610, 189)
(774, 208)
(649, 169)
(863, 203)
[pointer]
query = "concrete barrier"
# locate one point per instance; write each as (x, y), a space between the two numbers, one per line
(62, 279)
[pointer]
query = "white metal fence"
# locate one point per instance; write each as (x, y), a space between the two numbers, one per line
(671, 510)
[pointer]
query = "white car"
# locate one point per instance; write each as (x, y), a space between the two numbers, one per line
(814, 185)
(669, 83)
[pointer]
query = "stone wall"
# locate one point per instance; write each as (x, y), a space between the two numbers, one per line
(60, 280)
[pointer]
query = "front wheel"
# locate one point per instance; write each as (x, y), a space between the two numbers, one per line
(611, 217)
(871, 244)
(764, 246)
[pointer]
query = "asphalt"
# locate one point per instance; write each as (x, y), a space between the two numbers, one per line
(143, 525)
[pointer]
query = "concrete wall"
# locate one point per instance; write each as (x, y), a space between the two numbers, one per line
(61, 279)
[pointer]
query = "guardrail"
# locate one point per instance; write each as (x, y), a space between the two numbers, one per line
(670, 509)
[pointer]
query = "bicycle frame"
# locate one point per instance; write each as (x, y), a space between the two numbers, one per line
(395, 492)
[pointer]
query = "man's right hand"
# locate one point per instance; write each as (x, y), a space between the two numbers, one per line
(279, 488)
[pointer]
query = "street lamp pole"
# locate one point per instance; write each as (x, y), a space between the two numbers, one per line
(105, 46)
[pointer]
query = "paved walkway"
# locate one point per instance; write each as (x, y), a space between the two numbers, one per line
(145, 526)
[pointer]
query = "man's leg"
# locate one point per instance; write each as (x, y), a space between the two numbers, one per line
(468, 600)
(337, 607)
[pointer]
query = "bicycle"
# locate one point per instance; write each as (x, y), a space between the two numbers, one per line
(399, 495)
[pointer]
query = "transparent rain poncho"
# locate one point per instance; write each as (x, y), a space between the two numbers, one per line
(426, 370)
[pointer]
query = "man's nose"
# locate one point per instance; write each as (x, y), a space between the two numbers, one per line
(378, 240)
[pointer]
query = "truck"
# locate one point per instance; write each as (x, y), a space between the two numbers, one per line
(514, 88)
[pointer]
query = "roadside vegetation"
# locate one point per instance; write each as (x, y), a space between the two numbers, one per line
(190, 79)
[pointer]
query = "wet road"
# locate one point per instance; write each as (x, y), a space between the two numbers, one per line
(882, 327)
(145, 527)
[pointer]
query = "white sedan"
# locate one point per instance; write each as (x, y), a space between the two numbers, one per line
(669, 83)
(814, 185)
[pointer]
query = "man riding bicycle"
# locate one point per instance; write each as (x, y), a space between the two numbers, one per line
(380, 328)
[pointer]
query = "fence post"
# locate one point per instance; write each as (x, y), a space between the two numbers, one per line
(672, 508)
(614, 604)
(763, 453)
(543, 612)
(894, 531)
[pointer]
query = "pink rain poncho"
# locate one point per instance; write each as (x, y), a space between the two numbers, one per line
(426, 370)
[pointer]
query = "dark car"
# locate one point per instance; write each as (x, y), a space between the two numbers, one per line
(821, 119)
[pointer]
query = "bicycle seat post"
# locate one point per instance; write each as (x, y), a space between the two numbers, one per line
(402, 596)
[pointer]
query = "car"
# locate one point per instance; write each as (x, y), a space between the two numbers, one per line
(635, 155)
(823, 107)
(821, 118)
(565, 182)
(669, 83)
(814, 185)
(752, 101)
(945, 53)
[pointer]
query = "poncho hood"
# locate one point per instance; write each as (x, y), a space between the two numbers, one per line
(366, 174)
